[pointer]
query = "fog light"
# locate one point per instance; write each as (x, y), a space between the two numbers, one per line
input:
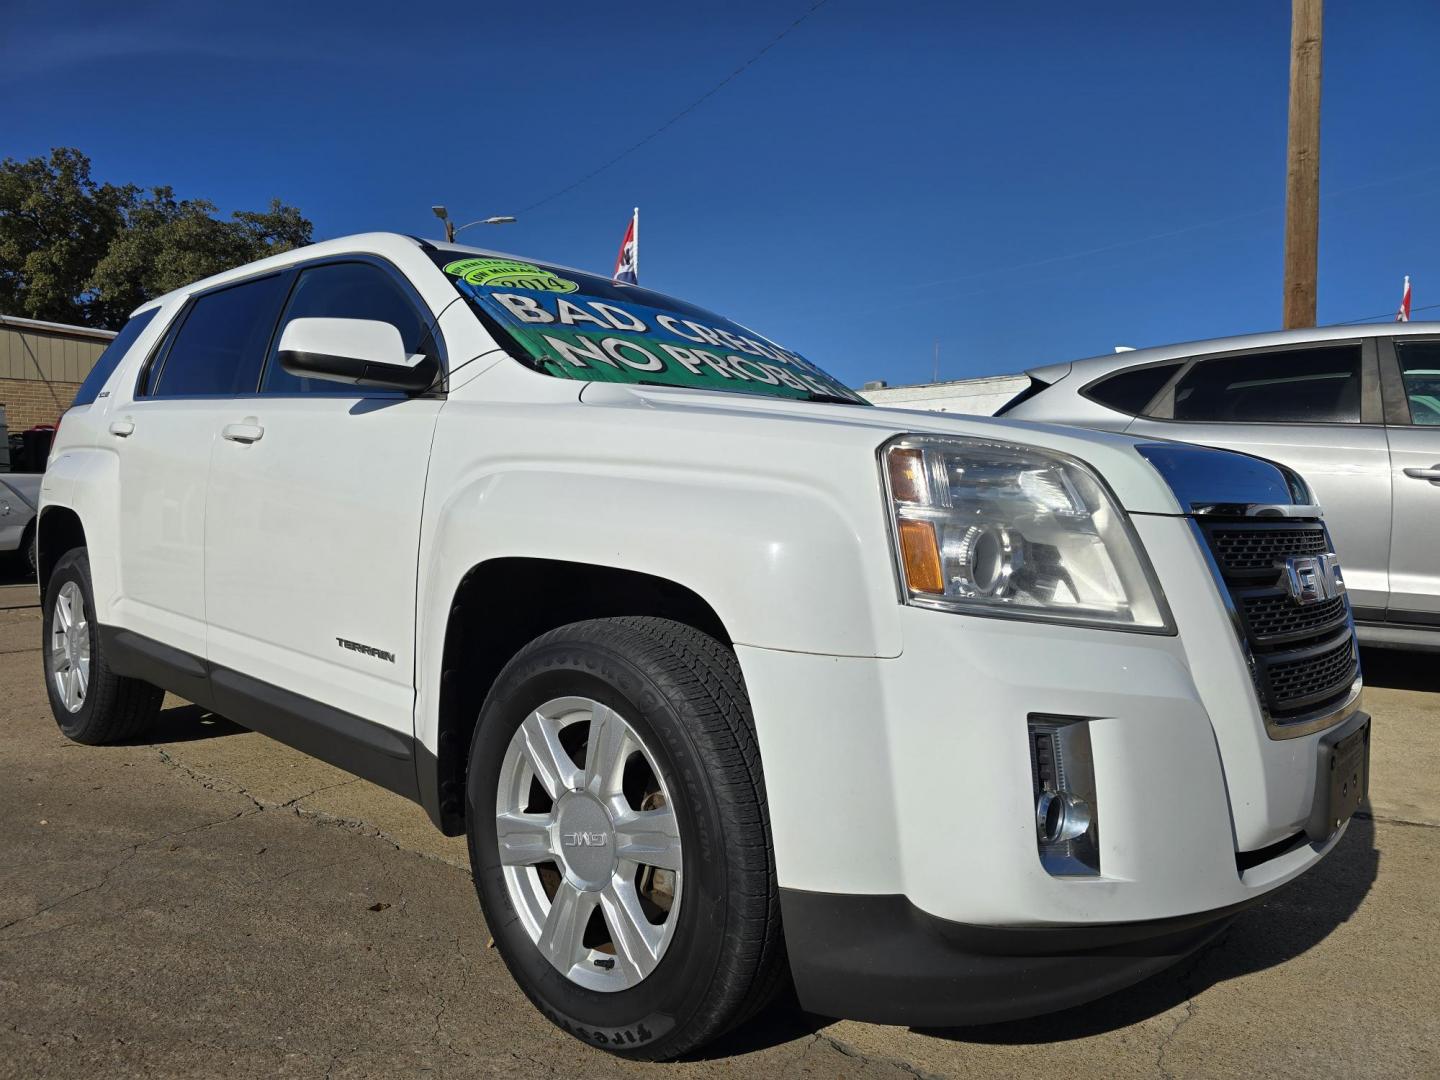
(1067, 816)
(1061, 816)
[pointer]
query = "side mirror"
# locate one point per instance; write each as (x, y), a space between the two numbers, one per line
(363, 352)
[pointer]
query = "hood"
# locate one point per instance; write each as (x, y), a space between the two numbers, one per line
(1137, 484)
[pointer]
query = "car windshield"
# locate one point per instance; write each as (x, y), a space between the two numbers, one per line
(581, 326)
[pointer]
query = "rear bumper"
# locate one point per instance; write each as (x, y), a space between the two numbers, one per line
(881, 959)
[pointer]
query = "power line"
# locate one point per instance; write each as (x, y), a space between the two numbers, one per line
(816, 6)
(1382, 315)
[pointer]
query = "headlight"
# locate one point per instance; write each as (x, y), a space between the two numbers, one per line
(994, 529)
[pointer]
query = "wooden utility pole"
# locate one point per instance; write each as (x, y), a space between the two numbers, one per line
(1302, 167)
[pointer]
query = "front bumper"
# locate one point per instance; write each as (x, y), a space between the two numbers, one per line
(883, 960)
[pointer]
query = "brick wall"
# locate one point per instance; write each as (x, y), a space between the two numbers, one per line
(30, 401)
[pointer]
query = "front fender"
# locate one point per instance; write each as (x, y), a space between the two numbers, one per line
(784, 565)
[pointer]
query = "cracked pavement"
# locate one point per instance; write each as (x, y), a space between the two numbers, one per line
(213, 901)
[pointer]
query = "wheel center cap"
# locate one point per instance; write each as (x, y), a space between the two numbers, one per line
(587, 840)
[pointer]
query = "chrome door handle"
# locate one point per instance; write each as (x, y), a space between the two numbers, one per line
(248, 432)
(122, 429)
(1432, 474)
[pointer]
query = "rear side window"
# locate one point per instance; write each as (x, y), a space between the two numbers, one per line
(109, 359)
(1420, 368)
(346, 291)
(1295, 386)
(1024, 395)
(1130, 391)
(220, 345)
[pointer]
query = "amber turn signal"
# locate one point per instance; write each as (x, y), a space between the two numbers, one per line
(907, 476)
(921, 556)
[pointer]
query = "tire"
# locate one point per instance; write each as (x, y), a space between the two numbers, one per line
(112, 707)
(31, 550)
(680, 694)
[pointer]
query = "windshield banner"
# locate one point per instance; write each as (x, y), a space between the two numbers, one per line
(570, 334)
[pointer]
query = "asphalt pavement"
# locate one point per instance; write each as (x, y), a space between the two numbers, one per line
(210, 902)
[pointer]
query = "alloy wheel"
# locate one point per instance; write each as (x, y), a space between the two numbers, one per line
(589, 843)
(70, 647)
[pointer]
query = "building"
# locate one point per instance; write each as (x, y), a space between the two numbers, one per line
(41, 366)
(978, 397)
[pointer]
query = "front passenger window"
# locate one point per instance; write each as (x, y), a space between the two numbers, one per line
(354, 290)
(1292, 386)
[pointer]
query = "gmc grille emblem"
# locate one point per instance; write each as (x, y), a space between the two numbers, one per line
(1312, 579)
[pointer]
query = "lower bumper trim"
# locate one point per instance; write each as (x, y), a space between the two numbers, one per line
(881, 959)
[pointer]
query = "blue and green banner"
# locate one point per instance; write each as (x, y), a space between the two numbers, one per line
(579, 326)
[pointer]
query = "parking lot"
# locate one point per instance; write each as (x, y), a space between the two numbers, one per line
(213, 902)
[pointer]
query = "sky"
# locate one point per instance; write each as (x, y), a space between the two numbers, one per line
(1021, 183)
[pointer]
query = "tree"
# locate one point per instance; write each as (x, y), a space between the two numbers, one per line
(55, 225)
(75, 251)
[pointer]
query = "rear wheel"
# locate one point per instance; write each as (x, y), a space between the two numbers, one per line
(619, 838)
(90, 702)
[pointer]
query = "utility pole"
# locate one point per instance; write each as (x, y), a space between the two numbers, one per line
(935, 373)
(1302, 165)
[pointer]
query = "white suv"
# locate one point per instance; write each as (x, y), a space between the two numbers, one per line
(727, 676)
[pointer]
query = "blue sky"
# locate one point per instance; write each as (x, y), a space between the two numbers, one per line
(1025, 183)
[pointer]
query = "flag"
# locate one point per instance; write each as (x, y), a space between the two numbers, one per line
(627, 263)
(1403, 315)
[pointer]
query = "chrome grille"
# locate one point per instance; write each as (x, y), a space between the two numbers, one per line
(1305, 658)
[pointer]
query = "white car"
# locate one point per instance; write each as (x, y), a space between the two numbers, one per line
(727, 676)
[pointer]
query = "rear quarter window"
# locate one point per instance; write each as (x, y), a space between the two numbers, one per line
(1131, 391)
(109, 360)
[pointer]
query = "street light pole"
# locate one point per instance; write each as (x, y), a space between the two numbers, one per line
(451, 230)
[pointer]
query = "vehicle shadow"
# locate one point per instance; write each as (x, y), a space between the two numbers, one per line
(1399, 669)
(1294, 919)
(1291, 921)
(781, 1021)
(185, 723)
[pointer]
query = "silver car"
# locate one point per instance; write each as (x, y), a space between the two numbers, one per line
(19, 495)
(1354, 409)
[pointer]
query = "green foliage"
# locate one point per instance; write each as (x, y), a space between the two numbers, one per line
(75, 251)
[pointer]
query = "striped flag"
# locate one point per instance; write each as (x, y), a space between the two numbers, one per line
(1403, 315)
(627, 263)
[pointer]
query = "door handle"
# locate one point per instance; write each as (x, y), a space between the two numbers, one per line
(247, 432)
(122, 429)
(1432, 474)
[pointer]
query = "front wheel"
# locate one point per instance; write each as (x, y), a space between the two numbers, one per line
(91, 703)
(619, 838)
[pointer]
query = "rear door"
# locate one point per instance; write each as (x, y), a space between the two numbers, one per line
(1315, 407)
(1414, 434)
(161, 431)
(313, 523)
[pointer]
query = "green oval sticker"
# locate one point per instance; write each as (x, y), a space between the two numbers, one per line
(509, 274)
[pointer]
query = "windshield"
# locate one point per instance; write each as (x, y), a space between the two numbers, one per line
(582, 326)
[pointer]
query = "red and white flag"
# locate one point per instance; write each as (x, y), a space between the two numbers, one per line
(627, 263)
(1403, 315)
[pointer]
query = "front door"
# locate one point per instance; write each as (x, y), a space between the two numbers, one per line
(1415, 474)
(313, 522)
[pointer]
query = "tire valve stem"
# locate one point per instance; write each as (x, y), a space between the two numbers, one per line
(606, 962)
